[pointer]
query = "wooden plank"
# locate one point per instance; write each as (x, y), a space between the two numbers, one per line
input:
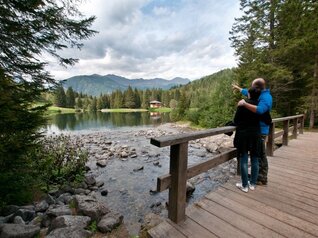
(276, 214)
(182, 138)
(281, 204)
(191, 228)
(163, 182)
(285, 135)
(294, 172)
(278, 187)
(239, 219)
(164, 230)
(214, 224)
(268, 226)
(286, 179)
(278, 134)
(270, 140)
(287, 118)
(300, 166)
(178, 189)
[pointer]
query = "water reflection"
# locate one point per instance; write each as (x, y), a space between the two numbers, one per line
(97, 120)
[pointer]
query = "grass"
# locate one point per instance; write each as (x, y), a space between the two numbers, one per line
(124, 110)
(55, 110)
(161, 109)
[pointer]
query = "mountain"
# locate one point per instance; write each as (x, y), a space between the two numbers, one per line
(96, 84)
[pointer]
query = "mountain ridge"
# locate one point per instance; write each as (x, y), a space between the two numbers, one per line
(96, 84)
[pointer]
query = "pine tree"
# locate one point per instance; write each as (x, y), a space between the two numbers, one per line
(59, 97)
(129, 98)
(70, 98)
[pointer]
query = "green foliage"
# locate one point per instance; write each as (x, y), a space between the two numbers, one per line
(60, 161)
(277, 40)
(93, 227)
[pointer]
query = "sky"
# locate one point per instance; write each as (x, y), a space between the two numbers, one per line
(155, 39)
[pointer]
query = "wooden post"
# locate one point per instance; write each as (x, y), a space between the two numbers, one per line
(295, 122)
(286, 132)
(178, 188)
(302, 124)
(270, 140)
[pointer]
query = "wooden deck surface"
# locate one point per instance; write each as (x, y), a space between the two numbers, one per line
(286, 207)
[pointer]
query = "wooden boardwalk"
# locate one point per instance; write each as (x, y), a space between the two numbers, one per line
(286, 207)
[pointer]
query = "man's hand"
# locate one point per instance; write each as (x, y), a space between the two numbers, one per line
(234, 86)
(241, 103)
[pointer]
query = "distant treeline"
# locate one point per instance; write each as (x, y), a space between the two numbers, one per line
(207, 102)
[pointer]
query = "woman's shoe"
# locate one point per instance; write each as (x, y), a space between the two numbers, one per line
(240, 186)
(251, 186)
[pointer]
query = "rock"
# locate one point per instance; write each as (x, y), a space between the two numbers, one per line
(37, 220)
(100, 184)
(19, 230)
(90, 180)
(104, 192)
(190, 189)
(124, 154)
(28, 207)
(27, 215)
(65, 198)
(49, 199)
(157, 163)
(69, 232)
(101, 163)
(87, 168)
(109, 222)
(89, 206)
(138, 169)
(18, 220)
(45, 221)
(55, 192)
(8, 210)
(59, 211)
(108, 142)
(94, 188)
(41, 206)
(79, 191)
(133, 156)
(151, 220)
(211, 147)
(70, 221)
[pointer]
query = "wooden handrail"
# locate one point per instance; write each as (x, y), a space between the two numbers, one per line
(179, 171)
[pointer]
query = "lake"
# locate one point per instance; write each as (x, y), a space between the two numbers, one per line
(105, 120)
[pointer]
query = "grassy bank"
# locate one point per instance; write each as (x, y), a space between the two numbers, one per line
(124, 110)
(162, 109)
(54, 110)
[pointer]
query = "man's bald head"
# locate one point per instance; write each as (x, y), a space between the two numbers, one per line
(259, 83)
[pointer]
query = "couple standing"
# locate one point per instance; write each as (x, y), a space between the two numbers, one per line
(252, 119)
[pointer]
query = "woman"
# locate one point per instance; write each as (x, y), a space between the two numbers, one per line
(247, 139)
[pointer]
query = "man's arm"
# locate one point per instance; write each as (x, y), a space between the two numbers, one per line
(261, 108)
(251, 107)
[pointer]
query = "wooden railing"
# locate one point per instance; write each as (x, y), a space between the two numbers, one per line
(179, 171)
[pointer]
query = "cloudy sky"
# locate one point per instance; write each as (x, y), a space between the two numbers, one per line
(155, 38)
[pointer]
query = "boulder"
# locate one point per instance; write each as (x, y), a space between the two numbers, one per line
(8, 210)
(90, 180)
(69, 232)
(101, 163)
(18, 220)
(100, 184)
(88, 206)
(41, 206)
(70, 221)
(65, 198)
(19, 230)
(59, 211)
(109, 222)
(49, 199)
(190, 189)
(79, 191)
(27, 215)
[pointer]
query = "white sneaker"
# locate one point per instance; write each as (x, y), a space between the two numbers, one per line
(252, 187)
(240, 186)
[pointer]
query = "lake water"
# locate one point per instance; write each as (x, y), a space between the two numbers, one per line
(104, 120)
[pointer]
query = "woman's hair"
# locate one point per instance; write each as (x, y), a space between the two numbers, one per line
(254, 93)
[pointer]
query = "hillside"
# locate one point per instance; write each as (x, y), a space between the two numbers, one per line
(96, 84)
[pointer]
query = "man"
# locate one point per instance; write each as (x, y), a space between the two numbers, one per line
(265, 102)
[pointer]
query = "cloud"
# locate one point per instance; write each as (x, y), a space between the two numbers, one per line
(155, 38)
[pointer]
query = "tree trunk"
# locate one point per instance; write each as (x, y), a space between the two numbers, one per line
(313, 95)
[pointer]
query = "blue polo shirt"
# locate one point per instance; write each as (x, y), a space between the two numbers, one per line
(265, 102)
